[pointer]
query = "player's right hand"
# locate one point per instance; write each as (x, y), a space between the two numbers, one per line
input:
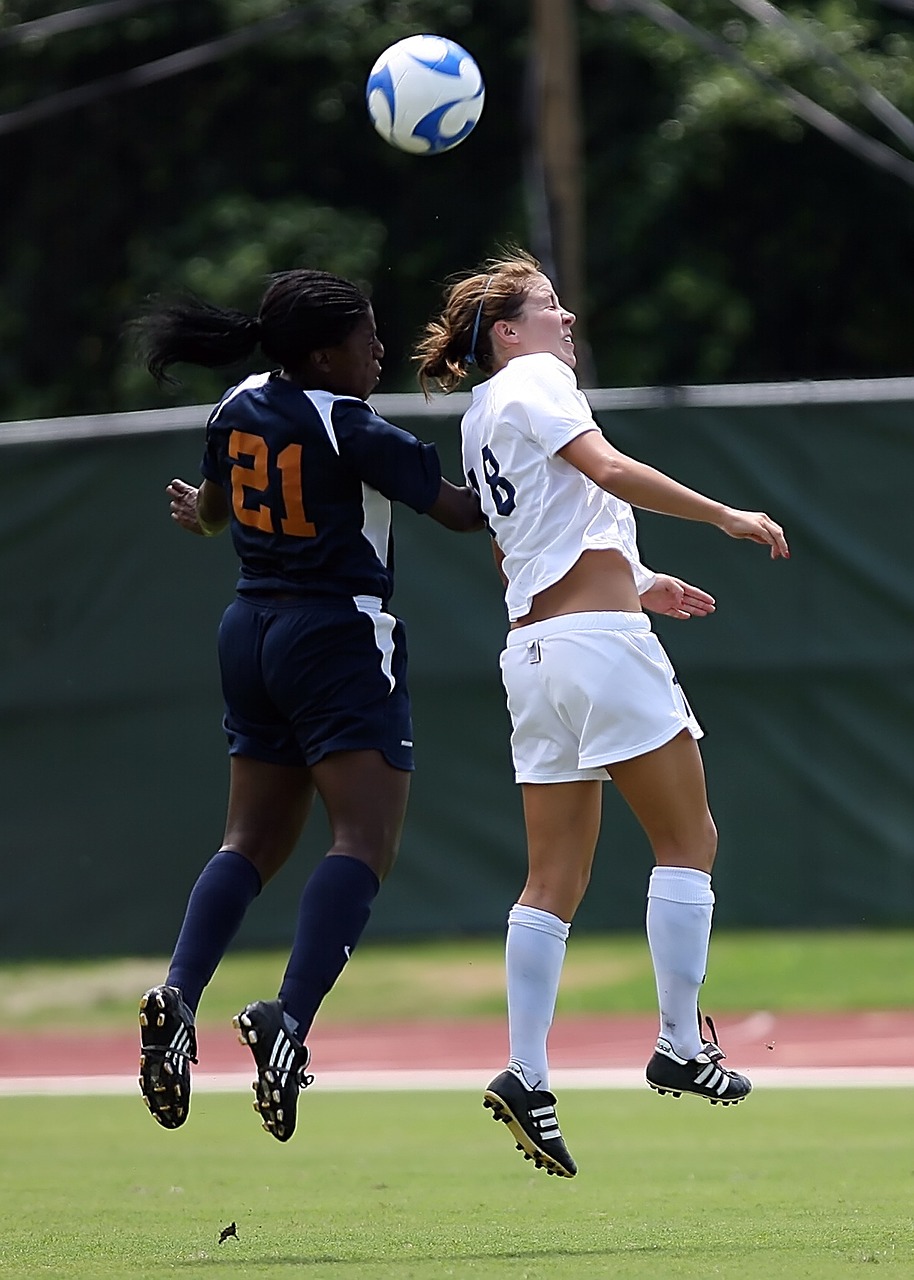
(184, 506)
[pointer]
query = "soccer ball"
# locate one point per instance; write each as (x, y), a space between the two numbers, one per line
(424, 94)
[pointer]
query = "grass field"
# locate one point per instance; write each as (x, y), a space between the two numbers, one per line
(780, 972)
(388, 1186)
(395, 1187)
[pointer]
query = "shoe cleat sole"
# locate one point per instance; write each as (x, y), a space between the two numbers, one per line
(524, 1144)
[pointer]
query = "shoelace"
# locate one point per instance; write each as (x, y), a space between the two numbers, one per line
(711, 1047)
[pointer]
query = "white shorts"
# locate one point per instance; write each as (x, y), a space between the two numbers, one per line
(586, 690)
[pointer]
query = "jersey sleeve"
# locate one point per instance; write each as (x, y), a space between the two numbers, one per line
(386, 457)
(556, 411)
(209, 466)
(644, 577)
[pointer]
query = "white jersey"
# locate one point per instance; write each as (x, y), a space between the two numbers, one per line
(543, 511)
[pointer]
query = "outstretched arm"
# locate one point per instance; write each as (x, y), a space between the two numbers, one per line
(202, 511)
(457, 508)
(645, 487)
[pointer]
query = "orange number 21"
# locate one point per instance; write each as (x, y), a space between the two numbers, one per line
(254, 474)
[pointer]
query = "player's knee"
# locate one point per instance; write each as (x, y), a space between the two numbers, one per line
(696, 848)
(560, 893)
(380, 856)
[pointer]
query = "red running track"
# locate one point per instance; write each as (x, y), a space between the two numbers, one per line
(876, 1039)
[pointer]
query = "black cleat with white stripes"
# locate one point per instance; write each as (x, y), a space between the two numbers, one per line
(282, 1062)
(168, 1045)
(530, 1115)
(702, 1076)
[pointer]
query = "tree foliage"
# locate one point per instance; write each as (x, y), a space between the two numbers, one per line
(739, 244)
(726, 239)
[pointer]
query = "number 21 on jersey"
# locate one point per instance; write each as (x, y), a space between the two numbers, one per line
(251, 461)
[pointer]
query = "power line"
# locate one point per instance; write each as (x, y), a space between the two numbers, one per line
(149, 73)
(832, 126)
(73, 20)
(874, 101)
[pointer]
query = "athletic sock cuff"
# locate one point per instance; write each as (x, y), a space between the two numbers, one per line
(541, 921)
(243, 865)
(681, 884)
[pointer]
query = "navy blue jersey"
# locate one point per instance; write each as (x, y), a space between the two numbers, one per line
(310, 477)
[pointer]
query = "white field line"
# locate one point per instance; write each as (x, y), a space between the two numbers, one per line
(421, 1081)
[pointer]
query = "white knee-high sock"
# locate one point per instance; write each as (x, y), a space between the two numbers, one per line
(680, 904)
(534, 955)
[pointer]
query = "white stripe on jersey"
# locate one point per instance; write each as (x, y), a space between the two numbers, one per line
(323, 402)
(376, 508)
(376, 521)
(255, 380)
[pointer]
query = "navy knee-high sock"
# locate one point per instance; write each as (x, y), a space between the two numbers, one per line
(334, 909)
(224, 890)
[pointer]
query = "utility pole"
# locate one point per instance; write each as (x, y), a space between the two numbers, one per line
(558, 141)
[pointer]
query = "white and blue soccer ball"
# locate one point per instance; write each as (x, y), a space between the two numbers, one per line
(425, 95)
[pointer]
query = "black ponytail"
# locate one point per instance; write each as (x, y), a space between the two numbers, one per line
(192, 331)
(301, 311)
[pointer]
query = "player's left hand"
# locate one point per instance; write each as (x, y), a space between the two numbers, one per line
(677, 599)
(184, 505)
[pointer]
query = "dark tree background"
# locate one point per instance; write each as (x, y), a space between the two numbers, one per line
(725, 239)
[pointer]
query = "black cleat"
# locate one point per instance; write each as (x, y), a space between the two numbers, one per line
(282, 1061)
(702, 1076)
(530, 1115)
(168, 1044)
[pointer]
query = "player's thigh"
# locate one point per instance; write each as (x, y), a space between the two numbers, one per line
(268, 806)
(665, 789)
(563, 823)
(365, 798)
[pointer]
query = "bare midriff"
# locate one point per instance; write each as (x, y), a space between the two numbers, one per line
(598, 582)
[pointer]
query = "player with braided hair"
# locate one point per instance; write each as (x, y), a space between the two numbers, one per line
(313, 664)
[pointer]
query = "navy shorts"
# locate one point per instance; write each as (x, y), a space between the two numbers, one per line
(304, 677)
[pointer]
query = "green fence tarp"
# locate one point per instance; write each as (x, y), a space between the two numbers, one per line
(113, 762)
